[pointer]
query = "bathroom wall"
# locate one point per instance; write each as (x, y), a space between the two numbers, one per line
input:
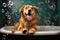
(48, 11)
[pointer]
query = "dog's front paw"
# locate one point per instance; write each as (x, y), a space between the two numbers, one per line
(31, 33)
(24, 31)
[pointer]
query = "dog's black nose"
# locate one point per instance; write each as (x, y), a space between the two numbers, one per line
(29, 11)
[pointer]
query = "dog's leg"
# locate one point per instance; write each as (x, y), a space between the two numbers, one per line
(15, 27)
(25, 30)
(20, 27)
(32, 30)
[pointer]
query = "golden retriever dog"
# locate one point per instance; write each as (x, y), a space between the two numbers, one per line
(28, 20)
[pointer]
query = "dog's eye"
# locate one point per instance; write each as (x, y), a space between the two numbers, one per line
(26, 8)
(25, 14)
(31, 8)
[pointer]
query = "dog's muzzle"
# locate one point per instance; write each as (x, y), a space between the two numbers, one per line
(29, 15)
(29, 12)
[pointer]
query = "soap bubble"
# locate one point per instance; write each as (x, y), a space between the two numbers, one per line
(17, 15)
(4, 5)
(22, 1)
(3, 10)
(47, 1)
(14, 10)
(39, 3)
(9, 16)
(10, 3)
(7, 13)
(52, 6)
(29, 1)
(42, 2)
(9, 6)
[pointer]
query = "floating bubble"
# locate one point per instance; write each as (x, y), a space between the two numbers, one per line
(7, 13)
(17, 15)
(52, 6)
(9, 6)
(14, 10)
(22, 1)
(39, 3)
(29, 1)
(9, 16)
(47, 1)
(10, 3)
(4, 5)
(3, 10)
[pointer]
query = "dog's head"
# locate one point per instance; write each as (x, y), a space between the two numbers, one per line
(29, 12)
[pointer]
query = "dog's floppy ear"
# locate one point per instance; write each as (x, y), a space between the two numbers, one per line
(35, 8)
(21, 9)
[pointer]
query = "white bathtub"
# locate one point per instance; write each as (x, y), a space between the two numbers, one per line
(42, 30)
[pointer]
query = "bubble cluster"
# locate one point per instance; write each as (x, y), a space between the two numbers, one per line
(10, 3)
(45, 8)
